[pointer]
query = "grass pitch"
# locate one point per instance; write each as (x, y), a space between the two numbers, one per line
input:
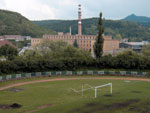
(56, 97)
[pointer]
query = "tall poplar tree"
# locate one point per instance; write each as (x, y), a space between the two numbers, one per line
(75, 44)
(98, 46)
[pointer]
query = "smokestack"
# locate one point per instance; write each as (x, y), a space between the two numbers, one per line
(79, 21)
(70, 30)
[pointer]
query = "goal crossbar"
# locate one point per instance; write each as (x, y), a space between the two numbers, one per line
(78, 91)
(91, 87)
(109, 84)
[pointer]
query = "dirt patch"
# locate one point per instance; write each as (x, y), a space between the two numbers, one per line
(77, 110)
(39, 108)
(12, 106)
(15, 89)
(108, 95)
(97, 107)
(140, 107)
(92, 104)
(136, 91)
(117, 93)
(122, 104)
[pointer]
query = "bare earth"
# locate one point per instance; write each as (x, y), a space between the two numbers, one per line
(39, 108)
(60, 79)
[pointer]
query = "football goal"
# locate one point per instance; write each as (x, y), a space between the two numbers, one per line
(95, 88)
(109, 84)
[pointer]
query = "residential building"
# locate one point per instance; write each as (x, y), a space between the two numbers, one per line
(22, 50)
(12, 37)
(135, 46)
(4, 42)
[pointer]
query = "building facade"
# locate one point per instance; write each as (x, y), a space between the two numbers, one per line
(4, 42)
(85, 42)
(13, 37)
(135, 46)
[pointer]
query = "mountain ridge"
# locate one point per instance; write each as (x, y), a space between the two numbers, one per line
(132, 30)
(135, 18)
(13, 23)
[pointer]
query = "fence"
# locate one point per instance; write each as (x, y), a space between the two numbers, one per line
(65, 73)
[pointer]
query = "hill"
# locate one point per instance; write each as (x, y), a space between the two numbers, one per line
(12, 23)
(143, 20)
(133, 31)
(140, 19)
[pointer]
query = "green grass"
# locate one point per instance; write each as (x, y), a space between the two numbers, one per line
(125, 98)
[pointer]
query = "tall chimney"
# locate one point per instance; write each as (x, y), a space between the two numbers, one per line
(79, 21)
(70, 30)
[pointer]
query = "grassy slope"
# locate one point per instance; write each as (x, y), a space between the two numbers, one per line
(58, 95)
(12, 23)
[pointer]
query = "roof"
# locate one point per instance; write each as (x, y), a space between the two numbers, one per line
(1, 37)
(3, 42)
(14, 36)
(137, 43)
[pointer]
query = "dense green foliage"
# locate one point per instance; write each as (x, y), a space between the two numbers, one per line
(133, 31)
(47, 56)
(98, 46)
(12, 23)
(20, 44)
(8, 52)
(58, 56)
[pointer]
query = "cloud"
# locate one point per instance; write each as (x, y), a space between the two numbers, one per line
(2, 4)
(67, 9)
(32, 9)
(68, 2)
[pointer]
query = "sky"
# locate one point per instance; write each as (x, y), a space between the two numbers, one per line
(67, 9)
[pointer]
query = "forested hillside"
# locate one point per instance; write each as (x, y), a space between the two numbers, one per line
(132, 30)
(143, 20)
(12, 23)
(140, 19)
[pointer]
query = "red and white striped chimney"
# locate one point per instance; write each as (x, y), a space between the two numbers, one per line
(79, 21)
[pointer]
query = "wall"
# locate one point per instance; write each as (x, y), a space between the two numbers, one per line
(67, 73)
(85, 42)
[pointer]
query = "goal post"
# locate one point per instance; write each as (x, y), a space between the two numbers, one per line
(91, 87)
(109, 84)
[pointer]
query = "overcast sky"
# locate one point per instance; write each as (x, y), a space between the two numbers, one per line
(67, 9)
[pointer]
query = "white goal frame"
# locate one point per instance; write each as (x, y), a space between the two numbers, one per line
(94, 88)
(109, 84)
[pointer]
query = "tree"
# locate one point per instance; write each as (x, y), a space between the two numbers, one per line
(8, 51)
(98, 47)
(75, 44)
(118, 37)
(146, 51)
(51, 48)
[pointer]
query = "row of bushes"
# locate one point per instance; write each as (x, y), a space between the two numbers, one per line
(18, 66)
(58, 56)
(122, 61)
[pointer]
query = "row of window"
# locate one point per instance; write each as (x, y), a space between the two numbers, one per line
(35, 40)
(69, 37)
(85, 45)
(72, 41)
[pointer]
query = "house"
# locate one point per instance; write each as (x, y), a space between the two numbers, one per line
(135, 46)
(4, 42)
(12, 37)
